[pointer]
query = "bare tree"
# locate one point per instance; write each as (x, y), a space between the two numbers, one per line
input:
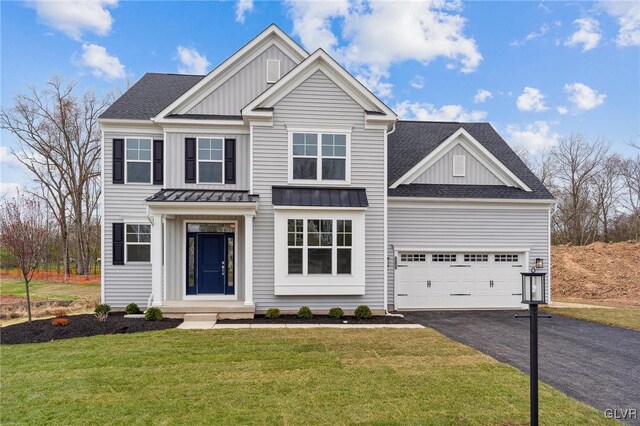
(60, 144)
(24, 233)
(577, 161)
(606, 184)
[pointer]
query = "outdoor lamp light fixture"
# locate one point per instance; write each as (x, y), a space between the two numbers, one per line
(539, 263)
(534, 288)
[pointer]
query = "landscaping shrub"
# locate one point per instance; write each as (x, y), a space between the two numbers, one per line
(60, 313)
(362, 312)
(60, 322)
(153, 314)
(336, 313)
(272, 313)
(132, 309)
(305, 313)
(102, 316)
(103, 309)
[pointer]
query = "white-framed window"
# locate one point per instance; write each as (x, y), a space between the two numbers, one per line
(138, 242)
(505, 258)
(138, 160)
(273, 70)
(319, 252)
(413, 257)
(476, 257)
(210, 160)
(319, 246)
(443, 257)
(321, 157)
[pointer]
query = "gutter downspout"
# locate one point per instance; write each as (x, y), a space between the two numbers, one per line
(386, 220)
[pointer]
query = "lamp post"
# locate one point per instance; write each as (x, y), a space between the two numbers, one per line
(534, 293)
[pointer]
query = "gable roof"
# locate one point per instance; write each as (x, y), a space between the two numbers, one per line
(150, 95)
(412, 141)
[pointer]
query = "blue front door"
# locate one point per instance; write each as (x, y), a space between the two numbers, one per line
(211, 278)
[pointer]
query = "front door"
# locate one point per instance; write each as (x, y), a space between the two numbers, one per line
(211, 276)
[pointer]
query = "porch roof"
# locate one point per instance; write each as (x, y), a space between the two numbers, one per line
(202, 196)
(319, 197)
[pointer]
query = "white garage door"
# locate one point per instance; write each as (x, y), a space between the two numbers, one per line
(462, 280)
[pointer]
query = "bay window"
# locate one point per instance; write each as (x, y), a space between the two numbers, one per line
(319, 157)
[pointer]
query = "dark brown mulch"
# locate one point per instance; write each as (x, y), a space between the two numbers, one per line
(79, 326)
(317, 319)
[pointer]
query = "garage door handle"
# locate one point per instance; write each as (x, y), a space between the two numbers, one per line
(516, 294)
(490, 283)
(402, 294)
(460, 266)
(428, 284)
(460, 294)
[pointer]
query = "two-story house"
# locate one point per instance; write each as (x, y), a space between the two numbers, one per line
(279, 180)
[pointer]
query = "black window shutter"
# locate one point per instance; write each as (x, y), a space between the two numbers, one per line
(118, 243)
(229, 161)
(157, 162)
(118, 161)
(190, 160)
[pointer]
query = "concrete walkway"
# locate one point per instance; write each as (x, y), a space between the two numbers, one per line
(236, 326)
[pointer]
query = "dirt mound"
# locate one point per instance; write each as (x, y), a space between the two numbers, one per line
(598, 272)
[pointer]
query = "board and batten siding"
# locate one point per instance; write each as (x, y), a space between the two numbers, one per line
(441, 172)
(467, 227)
(131, 282)
(244, 86)
(174, 166)
(318, 101)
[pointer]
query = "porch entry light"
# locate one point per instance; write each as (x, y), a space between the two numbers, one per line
(539, 263)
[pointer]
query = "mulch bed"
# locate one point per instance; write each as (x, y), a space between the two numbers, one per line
(79, 326)
(317, 319)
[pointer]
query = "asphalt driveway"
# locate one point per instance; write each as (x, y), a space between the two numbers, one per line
(593, 363)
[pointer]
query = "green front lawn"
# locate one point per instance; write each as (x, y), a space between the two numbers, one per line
(49, 289)
(628, 317)
(262, 376)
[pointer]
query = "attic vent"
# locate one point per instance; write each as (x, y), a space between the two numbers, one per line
(458, 165)
(273, 70)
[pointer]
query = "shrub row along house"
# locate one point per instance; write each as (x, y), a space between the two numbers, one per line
(279, 180)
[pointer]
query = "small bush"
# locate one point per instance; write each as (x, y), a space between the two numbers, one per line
(59, 313)
(153, 314)
(132, 309)
(102, 316)
(103, 309)
(362, 312)
(305, 313)
(60, 322)
(336, 313)
(272, 313)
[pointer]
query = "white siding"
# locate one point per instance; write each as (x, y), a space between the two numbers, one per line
(318, 101)
(418, 227)
(244, 86)
(174, 167)
(129, 283)
(441, 172)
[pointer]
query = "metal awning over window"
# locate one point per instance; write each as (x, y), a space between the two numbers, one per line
(202, 196)
(319, 197)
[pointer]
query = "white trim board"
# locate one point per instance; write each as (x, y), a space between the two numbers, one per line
(471, 144)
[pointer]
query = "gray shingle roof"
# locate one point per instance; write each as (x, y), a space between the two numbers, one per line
(319, 197)
(150, 95)
(202, 196)
(414, 140)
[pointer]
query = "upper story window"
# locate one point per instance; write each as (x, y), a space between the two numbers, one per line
(210, 160)
(138, 157)
(319, 157)
(273, 70)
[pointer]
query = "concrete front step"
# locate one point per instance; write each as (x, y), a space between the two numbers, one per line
(223, 310)
(200, 317)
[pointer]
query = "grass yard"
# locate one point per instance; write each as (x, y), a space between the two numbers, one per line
(262, 376)
(40, 289)
(625, 317)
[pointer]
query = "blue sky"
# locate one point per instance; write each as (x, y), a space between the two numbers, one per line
(536, 70)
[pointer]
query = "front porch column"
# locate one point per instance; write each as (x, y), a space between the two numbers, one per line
(156, 259)
(248, 259)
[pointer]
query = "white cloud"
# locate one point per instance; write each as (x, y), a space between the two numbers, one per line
(588, 34)
(10, 189)
(531, 99)
(481, 96)
(427, 112)
(534, 137)
(628, 15)
(242, 7)
(75, 17)
(584, 97)
(563, 110)
(191, 61)
(7, 158)
(377, 34)
(417, 82)
(101, 63)
(542, 31)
